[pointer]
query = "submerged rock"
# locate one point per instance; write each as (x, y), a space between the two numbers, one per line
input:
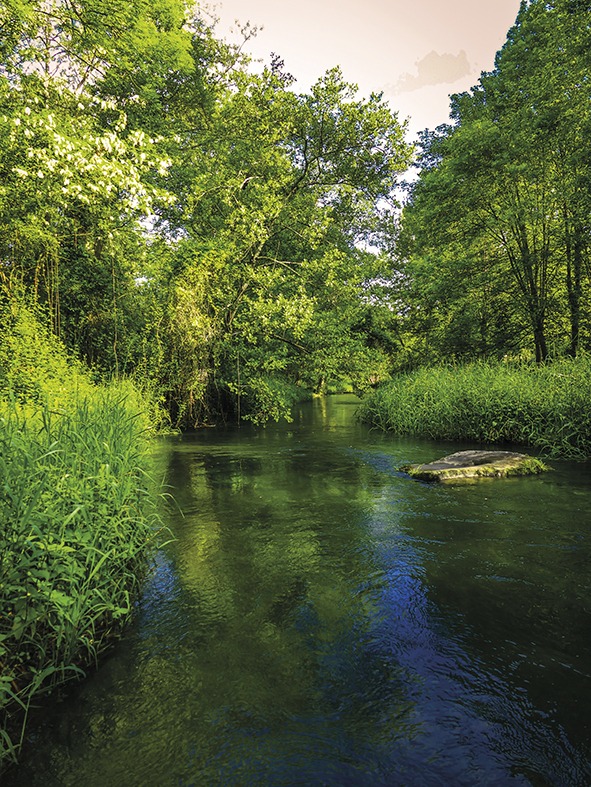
(465, 465)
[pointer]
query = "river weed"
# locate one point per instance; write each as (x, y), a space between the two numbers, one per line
(544, 406)
(77, 518)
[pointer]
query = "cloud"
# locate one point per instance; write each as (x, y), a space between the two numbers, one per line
(433, 69)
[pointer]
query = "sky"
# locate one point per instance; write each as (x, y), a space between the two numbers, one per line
(416, 52)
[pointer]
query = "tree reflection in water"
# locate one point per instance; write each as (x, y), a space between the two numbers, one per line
(321, 619)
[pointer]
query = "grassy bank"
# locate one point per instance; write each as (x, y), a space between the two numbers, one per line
(547, 407)
(77, 519)
(76, 522)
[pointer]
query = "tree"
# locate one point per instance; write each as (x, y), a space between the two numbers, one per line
(77, 178)
(508, 179)
(71, 199)
(180, 215)
(80, 42)
(268, 259)
(547, 56)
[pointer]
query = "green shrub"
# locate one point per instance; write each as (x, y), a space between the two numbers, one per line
(34, 366)
(267, 398)
(36, 369)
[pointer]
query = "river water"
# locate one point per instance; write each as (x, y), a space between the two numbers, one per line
(321, 619)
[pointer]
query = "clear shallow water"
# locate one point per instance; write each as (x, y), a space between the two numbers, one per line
(323, 620)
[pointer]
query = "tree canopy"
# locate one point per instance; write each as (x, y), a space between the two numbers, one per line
(184, 217)
(496, 251)
(195, 222)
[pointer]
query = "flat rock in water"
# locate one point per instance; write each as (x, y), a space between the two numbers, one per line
(464, 465)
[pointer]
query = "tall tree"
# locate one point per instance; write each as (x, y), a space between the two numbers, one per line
(269, 253)
(510, 174)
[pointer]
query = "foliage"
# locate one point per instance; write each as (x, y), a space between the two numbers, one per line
(268, 275)
(34, 367)
(544, 406)
(77, 514)
(496, 250)
(208, 230)
(181, 216)
(77, 517)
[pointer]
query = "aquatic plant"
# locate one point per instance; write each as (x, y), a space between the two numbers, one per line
(77, 518)
(546, 406)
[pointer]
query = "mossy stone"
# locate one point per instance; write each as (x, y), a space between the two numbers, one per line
(472, 465)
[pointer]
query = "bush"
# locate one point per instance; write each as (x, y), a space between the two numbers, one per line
(267, 398)
(34, 365)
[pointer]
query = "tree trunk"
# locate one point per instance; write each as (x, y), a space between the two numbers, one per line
(574, 274)
(540, 340)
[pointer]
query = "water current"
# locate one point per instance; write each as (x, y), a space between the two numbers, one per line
(321, 619)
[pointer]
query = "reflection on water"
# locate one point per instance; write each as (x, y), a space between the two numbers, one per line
(323, 620)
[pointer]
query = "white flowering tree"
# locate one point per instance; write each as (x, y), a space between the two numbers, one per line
(77, 181)
(137, 147)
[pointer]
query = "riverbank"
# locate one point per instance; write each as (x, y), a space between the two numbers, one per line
(543, 406)
(78, 518)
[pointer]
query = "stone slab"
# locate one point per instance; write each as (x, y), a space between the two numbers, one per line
(466, 465)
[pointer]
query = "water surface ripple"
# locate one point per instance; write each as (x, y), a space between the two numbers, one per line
(323, 620)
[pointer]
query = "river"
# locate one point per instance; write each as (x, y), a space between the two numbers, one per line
(321, 619)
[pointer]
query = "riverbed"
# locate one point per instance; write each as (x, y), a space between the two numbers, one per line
(321, 619)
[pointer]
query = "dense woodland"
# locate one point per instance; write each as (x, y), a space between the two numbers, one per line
(495, 252)
(186, 218)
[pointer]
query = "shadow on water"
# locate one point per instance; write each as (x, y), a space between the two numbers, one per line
(323, 620)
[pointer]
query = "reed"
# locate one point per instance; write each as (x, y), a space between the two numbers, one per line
(547, 406)
(78, 519)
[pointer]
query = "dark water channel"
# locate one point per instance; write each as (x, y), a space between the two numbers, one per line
(323, 620)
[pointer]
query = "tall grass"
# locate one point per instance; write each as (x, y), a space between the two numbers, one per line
(78, 514)
(77, 518)
(547, 406)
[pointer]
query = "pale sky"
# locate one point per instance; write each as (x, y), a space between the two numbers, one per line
(416, 51)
